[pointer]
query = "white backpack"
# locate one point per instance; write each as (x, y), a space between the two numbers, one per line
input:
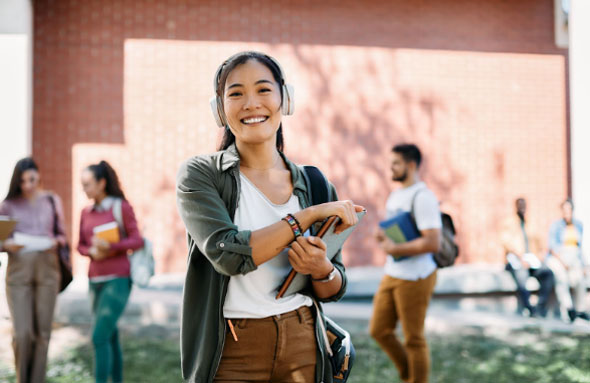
(141, 260)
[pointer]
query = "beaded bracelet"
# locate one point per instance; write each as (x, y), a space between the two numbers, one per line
(294, 224)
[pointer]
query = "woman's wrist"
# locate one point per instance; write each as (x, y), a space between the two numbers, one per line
(324, 271)
(308, 216)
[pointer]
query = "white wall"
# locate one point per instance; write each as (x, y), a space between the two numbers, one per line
(579, 54)
(16, 27)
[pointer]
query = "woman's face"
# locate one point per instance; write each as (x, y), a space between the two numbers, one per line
(252, 103)
(29, 182)
(94, 189)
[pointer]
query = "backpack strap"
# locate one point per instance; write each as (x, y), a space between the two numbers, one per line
(414, 203)
(118, 214)
(55, 224)
(317, 185)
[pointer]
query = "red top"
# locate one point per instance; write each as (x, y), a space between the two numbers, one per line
(117, 263)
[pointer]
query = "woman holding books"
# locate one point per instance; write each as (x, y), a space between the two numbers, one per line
(109, 271)
(32, 274)
(245, 209)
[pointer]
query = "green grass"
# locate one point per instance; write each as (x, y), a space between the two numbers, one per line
(465, 355)
(469, 356)
(151, 355)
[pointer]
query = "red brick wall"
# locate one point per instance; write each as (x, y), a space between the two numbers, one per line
(480, 86)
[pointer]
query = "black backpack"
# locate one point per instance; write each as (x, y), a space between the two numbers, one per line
(449, 250)
(338, 339)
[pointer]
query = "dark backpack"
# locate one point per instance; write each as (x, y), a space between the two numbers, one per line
(449, 250)
(338, 339)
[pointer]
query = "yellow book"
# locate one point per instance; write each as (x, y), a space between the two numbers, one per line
(6, 227)
(108, 231)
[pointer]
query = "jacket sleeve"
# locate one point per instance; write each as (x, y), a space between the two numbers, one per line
(337, 262)
(133, 240)
(507, 237)
(207, 220)
(554, 240)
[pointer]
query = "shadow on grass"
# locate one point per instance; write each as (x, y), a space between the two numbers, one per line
(151, 355)
(466, 355)
(469, 355)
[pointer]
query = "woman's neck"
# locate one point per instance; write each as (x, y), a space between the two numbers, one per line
(258, 157)
(32, 195)
(99, 199)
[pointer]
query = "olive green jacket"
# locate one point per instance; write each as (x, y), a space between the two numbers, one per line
(207, 192)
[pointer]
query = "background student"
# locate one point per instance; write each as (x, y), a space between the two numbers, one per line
(32, 274)
(109, 271)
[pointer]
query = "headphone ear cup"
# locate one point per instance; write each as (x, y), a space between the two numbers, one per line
(217, 114)
(288, 105)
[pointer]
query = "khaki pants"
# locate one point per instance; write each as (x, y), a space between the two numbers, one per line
(32, 284)
(281, 348)
(566, 279)
(406, 302)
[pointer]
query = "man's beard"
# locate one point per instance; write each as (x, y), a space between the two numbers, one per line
(401, 178)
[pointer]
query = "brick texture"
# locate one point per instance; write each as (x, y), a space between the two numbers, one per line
(480, 86)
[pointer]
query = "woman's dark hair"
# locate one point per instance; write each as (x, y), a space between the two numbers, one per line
(14, 190)
(104, 171)
(231, 64)
(409, 152)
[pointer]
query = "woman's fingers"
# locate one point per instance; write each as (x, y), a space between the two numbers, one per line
(317, 242)
(347, 215)
(307, 254)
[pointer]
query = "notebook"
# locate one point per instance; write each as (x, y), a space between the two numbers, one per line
(296, 282)
(107, 231)
(400, 229)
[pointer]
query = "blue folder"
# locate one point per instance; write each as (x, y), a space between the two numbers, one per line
(400, 229)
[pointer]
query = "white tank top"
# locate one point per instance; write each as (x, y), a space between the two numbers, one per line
(253, 295)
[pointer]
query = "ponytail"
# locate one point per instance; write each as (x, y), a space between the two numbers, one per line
(104, 171)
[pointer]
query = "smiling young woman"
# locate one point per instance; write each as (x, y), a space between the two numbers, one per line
(233, 328)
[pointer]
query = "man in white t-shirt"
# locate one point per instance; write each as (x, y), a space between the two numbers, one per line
(410, 270)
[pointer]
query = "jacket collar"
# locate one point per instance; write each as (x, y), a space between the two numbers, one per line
(230, 158)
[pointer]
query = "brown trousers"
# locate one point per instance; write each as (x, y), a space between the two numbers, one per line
(32, 284)
(281, 348)
(407, 302)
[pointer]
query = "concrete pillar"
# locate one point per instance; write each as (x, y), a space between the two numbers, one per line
(16, 98)
(579, 59)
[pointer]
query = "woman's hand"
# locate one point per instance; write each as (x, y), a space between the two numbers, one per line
(11, 247)
(97, 254)
(308, 256)
(345, 210)
(101, 244)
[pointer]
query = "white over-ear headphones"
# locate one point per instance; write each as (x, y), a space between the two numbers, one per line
(287, 91)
